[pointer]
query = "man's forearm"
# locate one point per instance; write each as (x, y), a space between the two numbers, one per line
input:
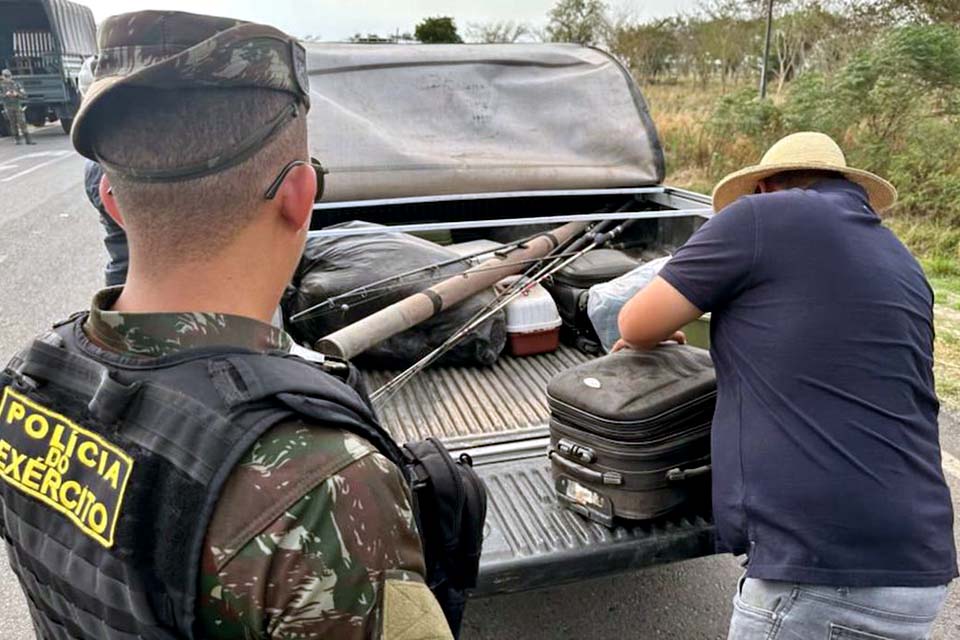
(655, 314)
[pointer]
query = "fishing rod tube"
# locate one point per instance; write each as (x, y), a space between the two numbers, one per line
(356, 338)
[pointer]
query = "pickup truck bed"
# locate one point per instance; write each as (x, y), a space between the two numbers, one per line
(499, 416)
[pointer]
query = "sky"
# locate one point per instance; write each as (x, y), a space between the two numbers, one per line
(338, 20)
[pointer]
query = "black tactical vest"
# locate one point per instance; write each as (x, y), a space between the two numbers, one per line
(112, 467)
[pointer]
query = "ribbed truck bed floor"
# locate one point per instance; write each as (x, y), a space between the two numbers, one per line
(474, 404)
(499, 415)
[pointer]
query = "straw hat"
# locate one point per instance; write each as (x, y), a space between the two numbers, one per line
(804, 151)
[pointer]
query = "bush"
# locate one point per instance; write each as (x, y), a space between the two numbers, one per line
(743, 113)
(811, 106)
(741, 127)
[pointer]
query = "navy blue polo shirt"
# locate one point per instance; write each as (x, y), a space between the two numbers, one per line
(825, 440)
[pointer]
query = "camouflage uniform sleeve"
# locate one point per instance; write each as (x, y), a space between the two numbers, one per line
(314, 537)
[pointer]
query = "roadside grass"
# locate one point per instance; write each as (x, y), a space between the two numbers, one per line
(681, 110)
(947, 355)
(945, 279)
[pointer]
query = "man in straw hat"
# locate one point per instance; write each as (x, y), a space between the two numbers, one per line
(166, 476)
(826, 456)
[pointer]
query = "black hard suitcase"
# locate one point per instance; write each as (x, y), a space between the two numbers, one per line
(570, 287)
(630, 432)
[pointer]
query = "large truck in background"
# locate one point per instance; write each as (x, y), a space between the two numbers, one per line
(44, 44)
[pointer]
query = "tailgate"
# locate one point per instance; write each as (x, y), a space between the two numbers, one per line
(499, 416)
(532, 542)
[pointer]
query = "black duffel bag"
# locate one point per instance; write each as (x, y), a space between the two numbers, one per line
(333, 266)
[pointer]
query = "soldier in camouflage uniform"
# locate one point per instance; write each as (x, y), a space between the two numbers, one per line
(326, 551)
(12, 93)
(313, 535)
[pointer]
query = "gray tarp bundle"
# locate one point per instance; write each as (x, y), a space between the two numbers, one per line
(332, 266)
(419, 120)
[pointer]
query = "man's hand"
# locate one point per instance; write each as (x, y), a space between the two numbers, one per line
(679, 337)
(655, 314)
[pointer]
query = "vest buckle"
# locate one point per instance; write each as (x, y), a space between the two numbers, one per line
(111, 398)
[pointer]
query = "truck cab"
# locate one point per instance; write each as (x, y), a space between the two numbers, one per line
(44, 44)
(460, 142)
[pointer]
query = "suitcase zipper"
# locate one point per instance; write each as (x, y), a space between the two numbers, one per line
(602, 424)
(611, 445)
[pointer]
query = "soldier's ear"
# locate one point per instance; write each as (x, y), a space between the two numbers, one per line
(296, 196)
(109, 202)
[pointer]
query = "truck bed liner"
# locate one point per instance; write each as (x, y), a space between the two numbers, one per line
(466, 406)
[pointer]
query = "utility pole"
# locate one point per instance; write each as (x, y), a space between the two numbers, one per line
(766, 51)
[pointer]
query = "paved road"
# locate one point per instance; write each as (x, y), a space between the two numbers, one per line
(51, 259)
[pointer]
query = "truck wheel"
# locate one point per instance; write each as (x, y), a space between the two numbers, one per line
(36, 117)
(66, 124)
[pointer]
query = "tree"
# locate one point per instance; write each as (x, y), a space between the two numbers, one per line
(909, 74)
(438, 30)
(501, 31)
(933, 11)
(725, 37)
(647, 49)
(802, 27)
(580, 21)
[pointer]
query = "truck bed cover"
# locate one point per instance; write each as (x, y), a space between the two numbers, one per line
(421, 120)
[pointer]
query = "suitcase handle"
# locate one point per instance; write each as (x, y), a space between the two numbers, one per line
(679, 475)
(581, 472)
(575, 452)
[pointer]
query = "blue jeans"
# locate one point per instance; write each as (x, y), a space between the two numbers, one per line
(768, 610)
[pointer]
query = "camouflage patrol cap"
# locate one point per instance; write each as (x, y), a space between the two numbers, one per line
(171, 50)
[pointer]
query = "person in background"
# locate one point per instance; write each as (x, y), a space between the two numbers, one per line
(11, 95)
(114, 238)
(826, 457)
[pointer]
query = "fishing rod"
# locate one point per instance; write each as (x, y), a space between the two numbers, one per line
(388, 289)
(590, 241)
(363, 289)
(519, 285)
(363, 334)
(572, 244)
(570, 248)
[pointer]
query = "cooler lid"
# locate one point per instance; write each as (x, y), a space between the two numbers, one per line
(418, 120)
(533, 310)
